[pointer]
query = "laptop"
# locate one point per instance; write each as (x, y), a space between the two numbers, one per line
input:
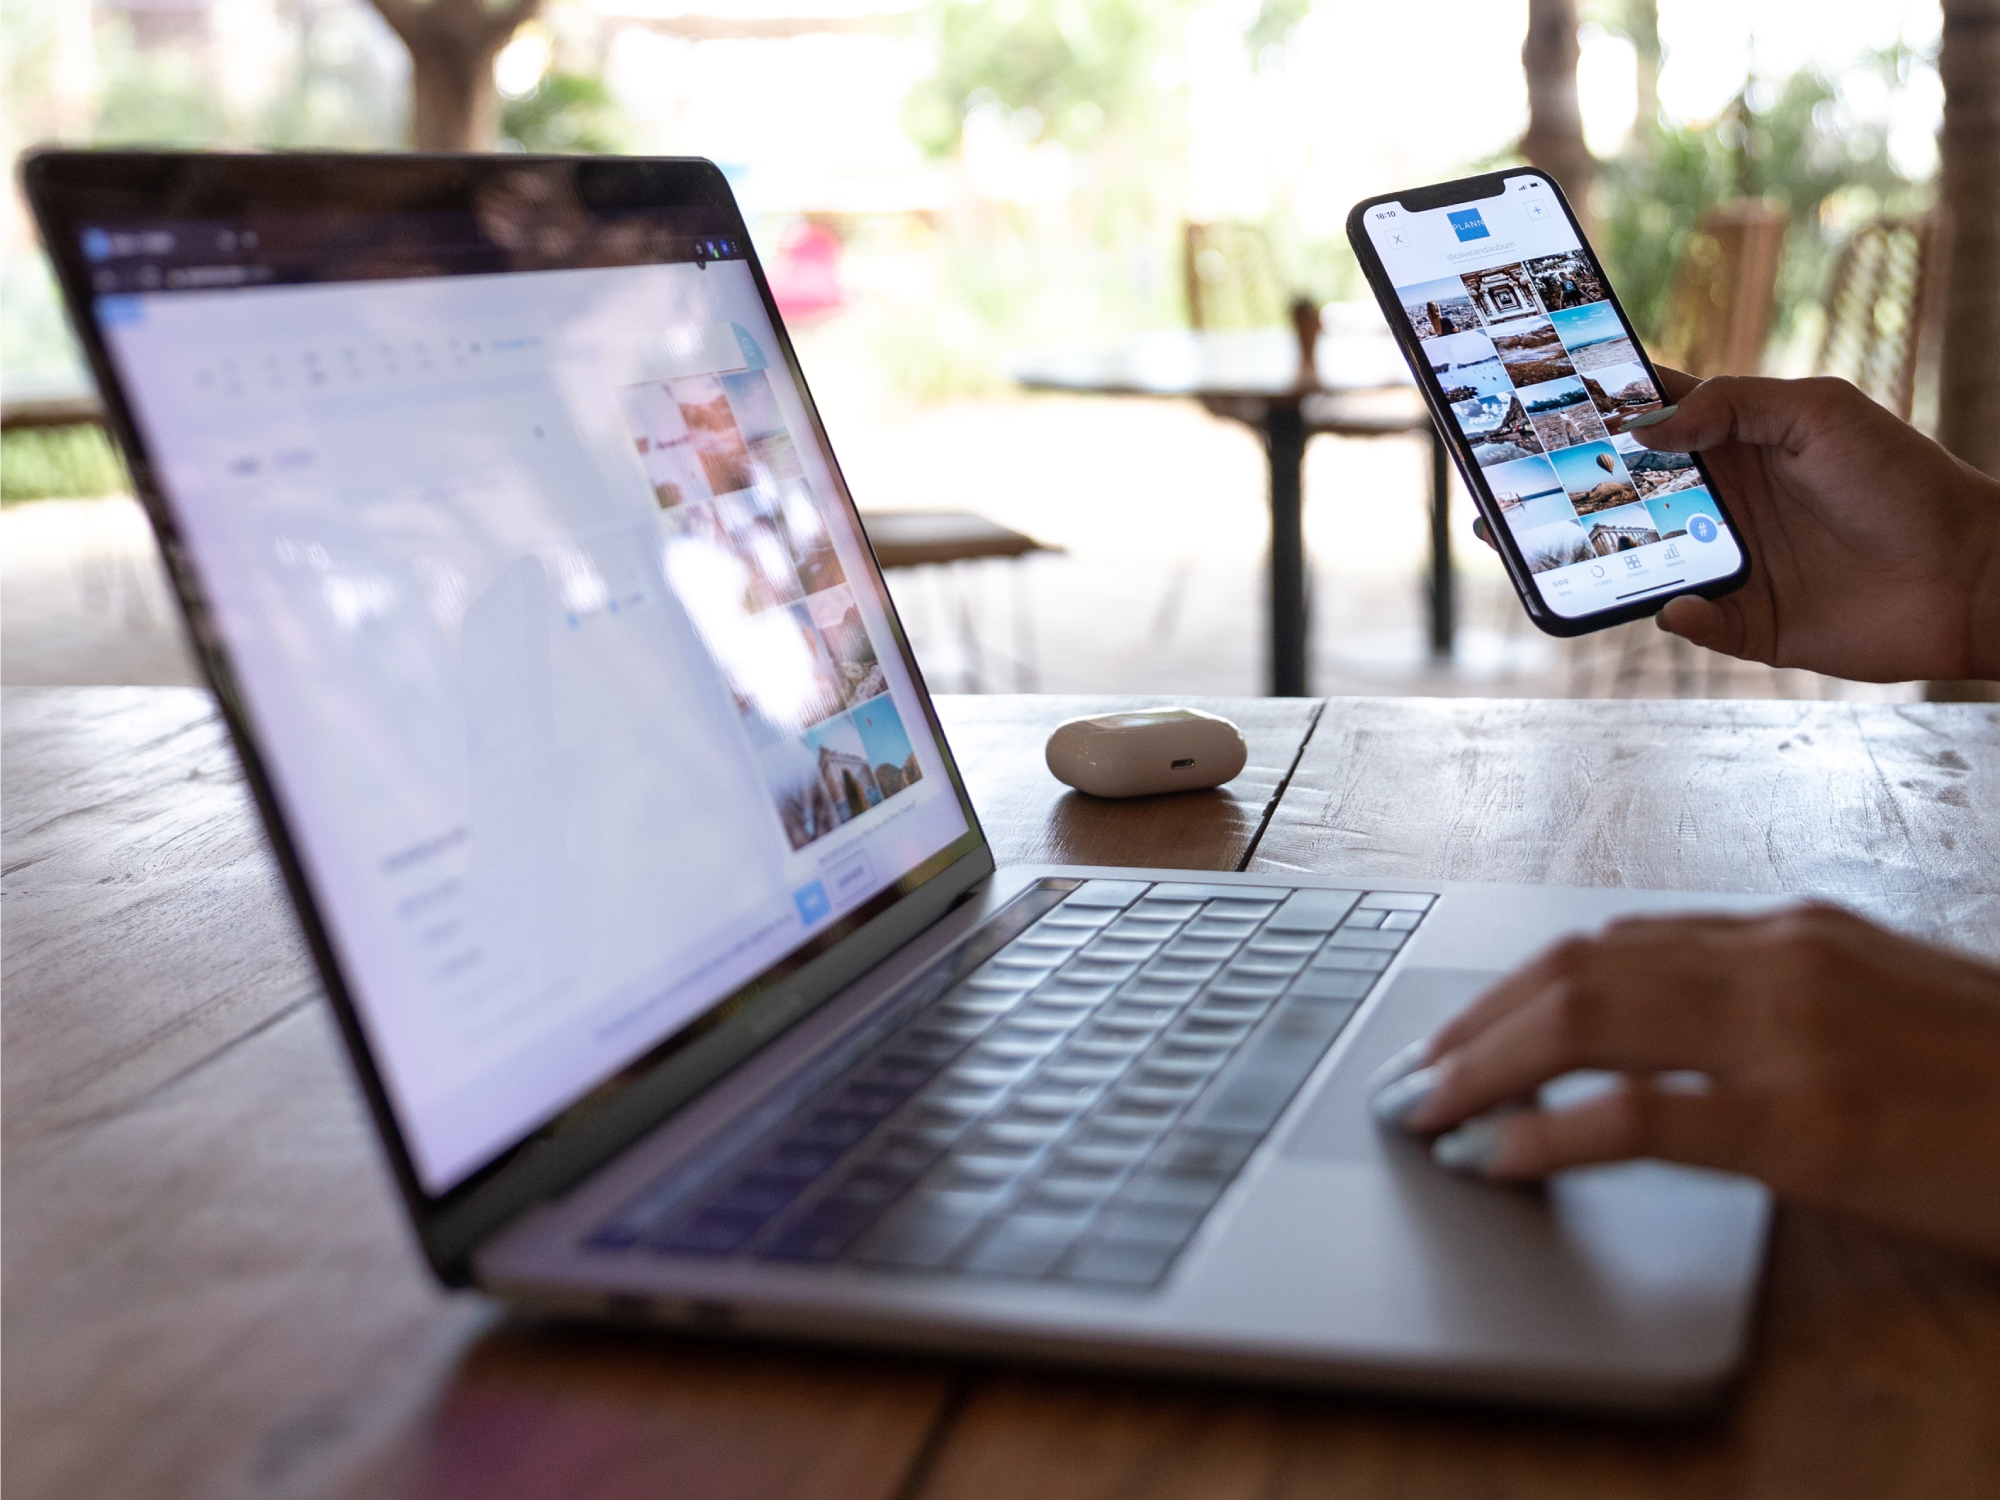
(670, 954)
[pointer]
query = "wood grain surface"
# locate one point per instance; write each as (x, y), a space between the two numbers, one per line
(210, 1291)
(1893, 809)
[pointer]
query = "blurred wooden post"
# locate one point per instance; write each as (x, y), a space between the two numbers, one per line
(452, 44)
(1554, 141)
(1969, 193)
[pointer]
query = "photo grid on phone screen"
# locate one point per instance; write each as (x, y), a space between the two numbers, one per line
(749, 554)
(1540, 374)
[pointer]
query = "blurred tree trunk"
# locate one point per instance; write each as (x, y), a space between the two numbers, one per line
(452, 44)
(1642, 29)
(1969, 192)
(1554, 141)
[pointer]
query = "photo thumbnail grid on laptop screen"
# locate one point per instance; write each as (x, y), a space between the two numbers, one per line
(1540, 373)
(571, 671)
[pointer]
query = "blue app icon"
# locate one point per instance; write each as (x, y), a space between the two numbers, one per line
(1701, 528)
(1467, 225)
(812, 902)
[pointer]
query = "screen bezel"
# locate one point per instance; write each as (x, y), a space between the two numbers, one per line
(71, 190)
(1473, 189)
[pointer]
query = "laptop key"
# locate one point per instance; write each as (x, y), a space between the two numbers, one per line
(1333, 984)
(1152, 1189)
(1148, 1224)
(1416, 901)
(1117, 1263)
(1205, 1151)
(1170, 891)
(917, 1240)
(1402, 921)
(824, 1231)
(710, 1232)
(1385, 941)
(1312, 911)
(1114, 893)
(1013, 1250)
(1361, 960)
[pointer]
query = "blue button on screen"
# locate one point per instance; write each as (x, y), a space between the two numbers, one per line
(812, 902)
(1701, 528)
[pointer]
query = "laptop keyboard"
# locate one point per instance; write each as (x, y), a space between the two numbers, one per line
(1070, 1109)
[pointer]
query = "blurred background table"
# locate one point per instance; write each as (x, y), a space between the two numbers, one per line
(1358, 387)
(210, 1291)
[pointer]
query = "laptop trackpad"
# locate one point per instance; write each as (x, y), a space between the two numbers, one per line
(1336, 1125)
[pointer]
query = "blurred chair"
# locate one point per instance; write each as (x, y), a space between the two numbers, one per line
(1723, 295)
(1233, 280)
(1879, 308)
(947, 539)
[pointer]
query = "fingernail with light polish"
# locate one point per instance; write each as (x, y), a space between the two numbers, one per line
(1395, 1103)
(1472, 1148)
(1400, 1065)
(1649, 418)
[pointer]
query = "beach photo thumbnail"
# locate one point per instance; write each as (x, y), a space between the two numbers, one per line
(1438, 308)
(1497, 428)
(888, 745)
(1661, 473)
(1594, 337)
(1531, 351)
(1620, 530)
(1456, 349)
(1594, 477)
(1465, 382)
(1529, 493)
(1465, 363)
(1563, 414)
(1565, 280)
(838, 620)
(1672, 512)
(1501, 292)
(1555, 545)
(1621, 391)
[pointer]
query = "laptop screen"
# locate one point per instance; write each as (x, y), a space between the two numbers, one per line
(570, 669)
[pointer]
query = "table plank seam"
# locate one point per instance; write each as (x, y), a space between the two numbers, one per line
(923, 1463)
(1272, 802)
(139, 1101)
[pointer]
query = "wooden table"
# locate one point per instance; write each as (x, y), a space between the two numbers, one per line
(209, 1290)
(1252, 376)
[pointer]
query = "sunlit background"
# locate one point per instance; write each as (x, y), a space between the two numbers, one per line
(940, 187)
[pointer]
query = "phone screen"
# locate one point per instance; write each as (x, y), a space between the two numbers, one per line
(1539, 369)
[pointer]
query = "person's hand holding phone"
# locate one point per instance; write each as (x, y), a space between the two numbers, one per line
(1876, 554)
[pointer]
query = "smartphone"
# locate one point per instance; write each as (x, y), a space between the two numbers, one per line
(1530, 369)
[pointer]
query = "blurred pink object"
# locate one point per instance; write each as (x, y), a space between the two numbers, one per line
(805, 273)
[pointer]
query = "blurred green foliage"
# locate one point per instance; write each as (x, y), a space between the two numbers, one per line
(1787, 139)
(53, 463)
(567, 112)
